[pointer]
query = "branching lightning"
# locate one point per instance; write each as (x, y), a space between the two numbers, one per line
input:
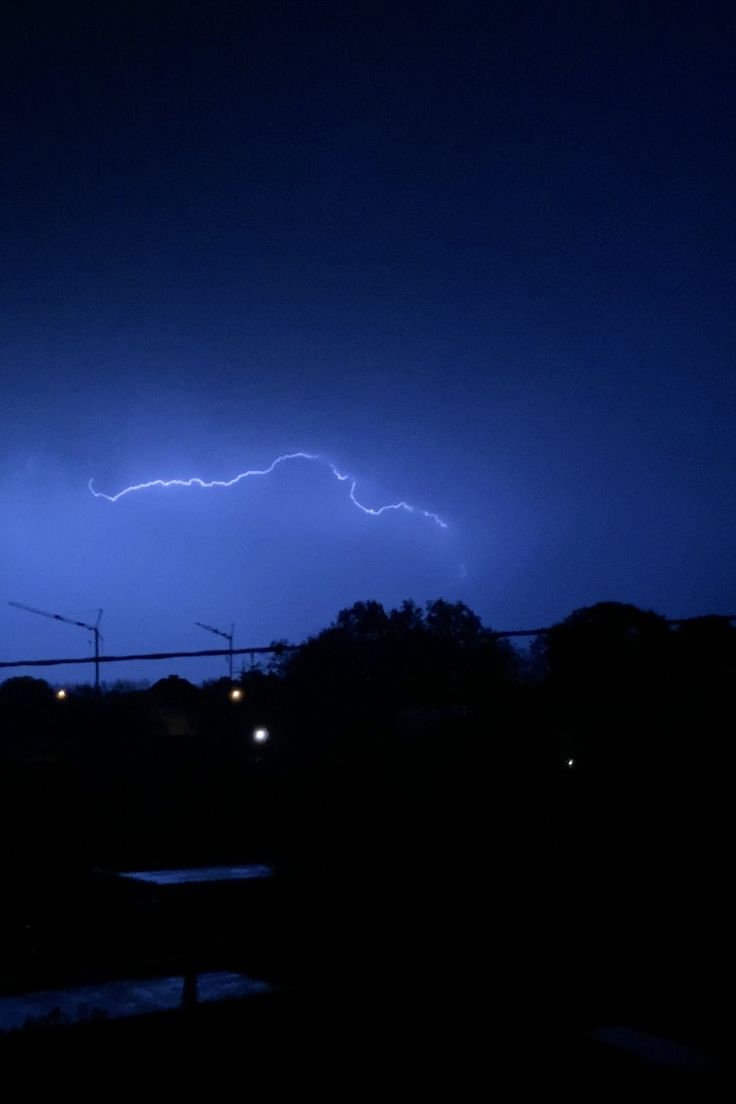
(341, 477)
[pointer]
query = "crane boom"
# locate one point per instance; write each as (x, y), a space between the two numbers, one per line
(228, 636)
(94, 629)
(53, 616)
(210, 629)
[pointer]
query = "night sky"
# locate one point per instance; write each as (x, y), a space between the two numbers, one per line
(478, 256)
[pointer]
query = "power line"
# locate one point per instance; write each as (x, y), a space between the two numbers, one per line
(276, 649)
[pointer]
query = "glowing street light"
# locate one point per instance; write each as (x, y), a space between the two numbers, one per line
(261, 735)
(61, 695)
(570, 763)
(236, 694)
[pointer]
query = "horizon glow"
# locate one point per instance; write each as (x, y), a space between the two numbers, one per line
(205, 484)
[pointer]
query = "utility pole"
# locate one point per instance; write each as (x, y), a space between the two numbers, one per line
(228, 636)
(94, 629)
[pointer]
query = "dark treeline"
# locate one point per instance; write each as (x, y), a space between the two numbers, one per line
(442, 794)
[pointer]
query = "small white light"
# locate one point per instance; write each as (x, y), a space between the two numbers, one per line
(236, 694)
(260, 735)
(570, 763)
(60, 695)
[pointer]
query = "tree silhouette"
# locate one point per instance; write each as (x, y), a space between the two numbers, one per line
(371, 662)
(607, 648)
(25, 691)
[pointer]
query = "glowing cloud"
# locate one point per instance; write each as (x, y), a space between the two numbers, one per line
(206, 484)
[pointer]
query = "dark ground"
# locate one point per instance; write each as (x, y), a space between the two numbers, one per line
(453, 906)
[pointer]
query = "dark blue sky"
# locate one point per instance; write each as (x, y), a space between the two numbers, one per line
(479, 255)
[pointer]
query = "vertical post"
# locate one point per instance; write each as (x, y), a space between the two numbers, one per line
(97, 660)
(232, 637)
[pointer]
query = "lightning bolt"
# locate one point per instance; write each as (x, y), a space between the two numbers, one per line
(341, 477)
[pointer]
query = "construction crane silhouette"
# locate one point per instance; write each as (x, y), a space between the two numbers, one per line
(94, 629)
(228, 636)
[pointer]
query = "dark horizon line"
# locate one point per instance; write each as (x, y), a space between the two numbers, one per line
(278, 648)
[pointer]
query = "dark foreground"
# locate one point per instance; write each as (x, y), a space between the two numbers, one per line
(537, 890)
(389, 981)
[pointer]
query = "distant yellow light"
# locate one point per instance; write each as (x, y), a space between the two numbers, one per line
(236, 694)
(61, 695)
